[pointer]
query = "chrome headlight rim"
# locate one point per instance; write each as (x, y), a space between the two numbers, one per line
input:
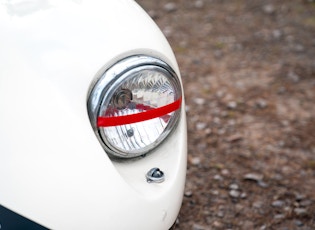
(109, 80)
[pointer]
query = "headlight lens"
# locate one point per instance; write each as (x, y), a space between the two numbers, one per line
(134, 105)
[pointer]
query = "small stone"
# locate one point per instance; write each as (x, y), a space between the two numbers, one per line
(269, 9)
(261, 103)
(218, 53)
(199, 101)
(201, 125)
(232, 105)
(167, 31)
(279, 216)
(262, 184)
(235, 137)
(195, 160)
(276, 34)
(217, 224)
(243, 195)
(214, 192)
(258, 204)
(263, 227)
(292, 76)
(220, 213)
(208, 131)
(248, 224)
(239, 208)
(188, 193)
(220, 93)
(221, 131)
(198, 227)
(298, 223)
(218, 177)
(225, 172)
(277, 203)
(177, 221)
(305, 203)
(199, 4)
(170, 7)
(217, 120)
(300, 211)
(234, 193)
(299, 197)
(253, 176)
(298, 48)
(233, 186)
(153, 14)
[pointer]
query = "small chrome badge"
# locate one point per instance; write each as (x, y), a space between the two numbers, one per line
(155, 175)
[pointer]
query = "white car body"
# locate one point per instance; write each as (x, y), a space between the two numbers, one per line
(53, 169)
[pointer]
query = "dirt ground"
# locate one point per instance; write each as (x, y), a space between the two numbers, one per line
(248, 69)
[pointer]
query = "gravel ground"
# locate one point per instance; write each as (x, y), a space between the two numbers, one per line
(248, 68)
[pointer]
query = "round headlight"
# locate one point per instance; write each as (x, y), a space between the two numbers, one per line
(134, 105)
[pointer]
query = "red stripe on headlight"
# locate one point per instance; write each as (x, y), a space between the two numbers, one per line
(138, 117)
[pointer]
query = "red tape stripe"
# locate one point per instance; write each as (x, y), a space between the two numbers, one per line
(138, 117)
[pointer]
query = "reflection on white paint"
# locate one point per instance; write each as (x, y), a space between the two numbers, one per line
(21, 7)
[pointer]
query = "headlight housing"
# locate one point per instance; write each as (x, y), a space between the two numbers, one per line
(134, 105)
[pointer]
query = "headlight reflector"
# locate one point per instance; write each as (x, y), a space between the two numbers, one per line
(134, 105)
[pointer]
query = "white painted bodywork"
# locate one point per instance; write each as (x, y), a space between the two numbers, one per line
(53, 170)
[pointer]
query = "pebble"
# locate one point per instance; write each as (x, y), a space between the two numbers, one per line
(248, 224)
(167, 31)
(298, 223)
(292, 76)
(199, 4)
(279, 216)
(243, 195)
(170, 7)
(198, 227)
(234, 186)
(300, 211)
(217, 224)
(261, 103)
(220, 93)
(298, 48)
(217, 177)
(188, 193)
(225, 172)
(232, 105)
(234, 193)
(153, 14)
(258, 204)
(277, 203)
(268, 9)
(235, 137)
(199, 101)
(276, 34)
(215, 192)
(239, 208)
(253, 176)
(221, 212)
(201, 125)
(187, 108)
(208, 131)
(221, 131)
(262, 184)
(263, 227)
(217, 120)
(299, 196)
(195, 160)
(305, 203)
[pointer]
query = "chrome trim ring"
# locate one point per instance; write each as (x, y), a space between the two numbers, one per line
(103, 91)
